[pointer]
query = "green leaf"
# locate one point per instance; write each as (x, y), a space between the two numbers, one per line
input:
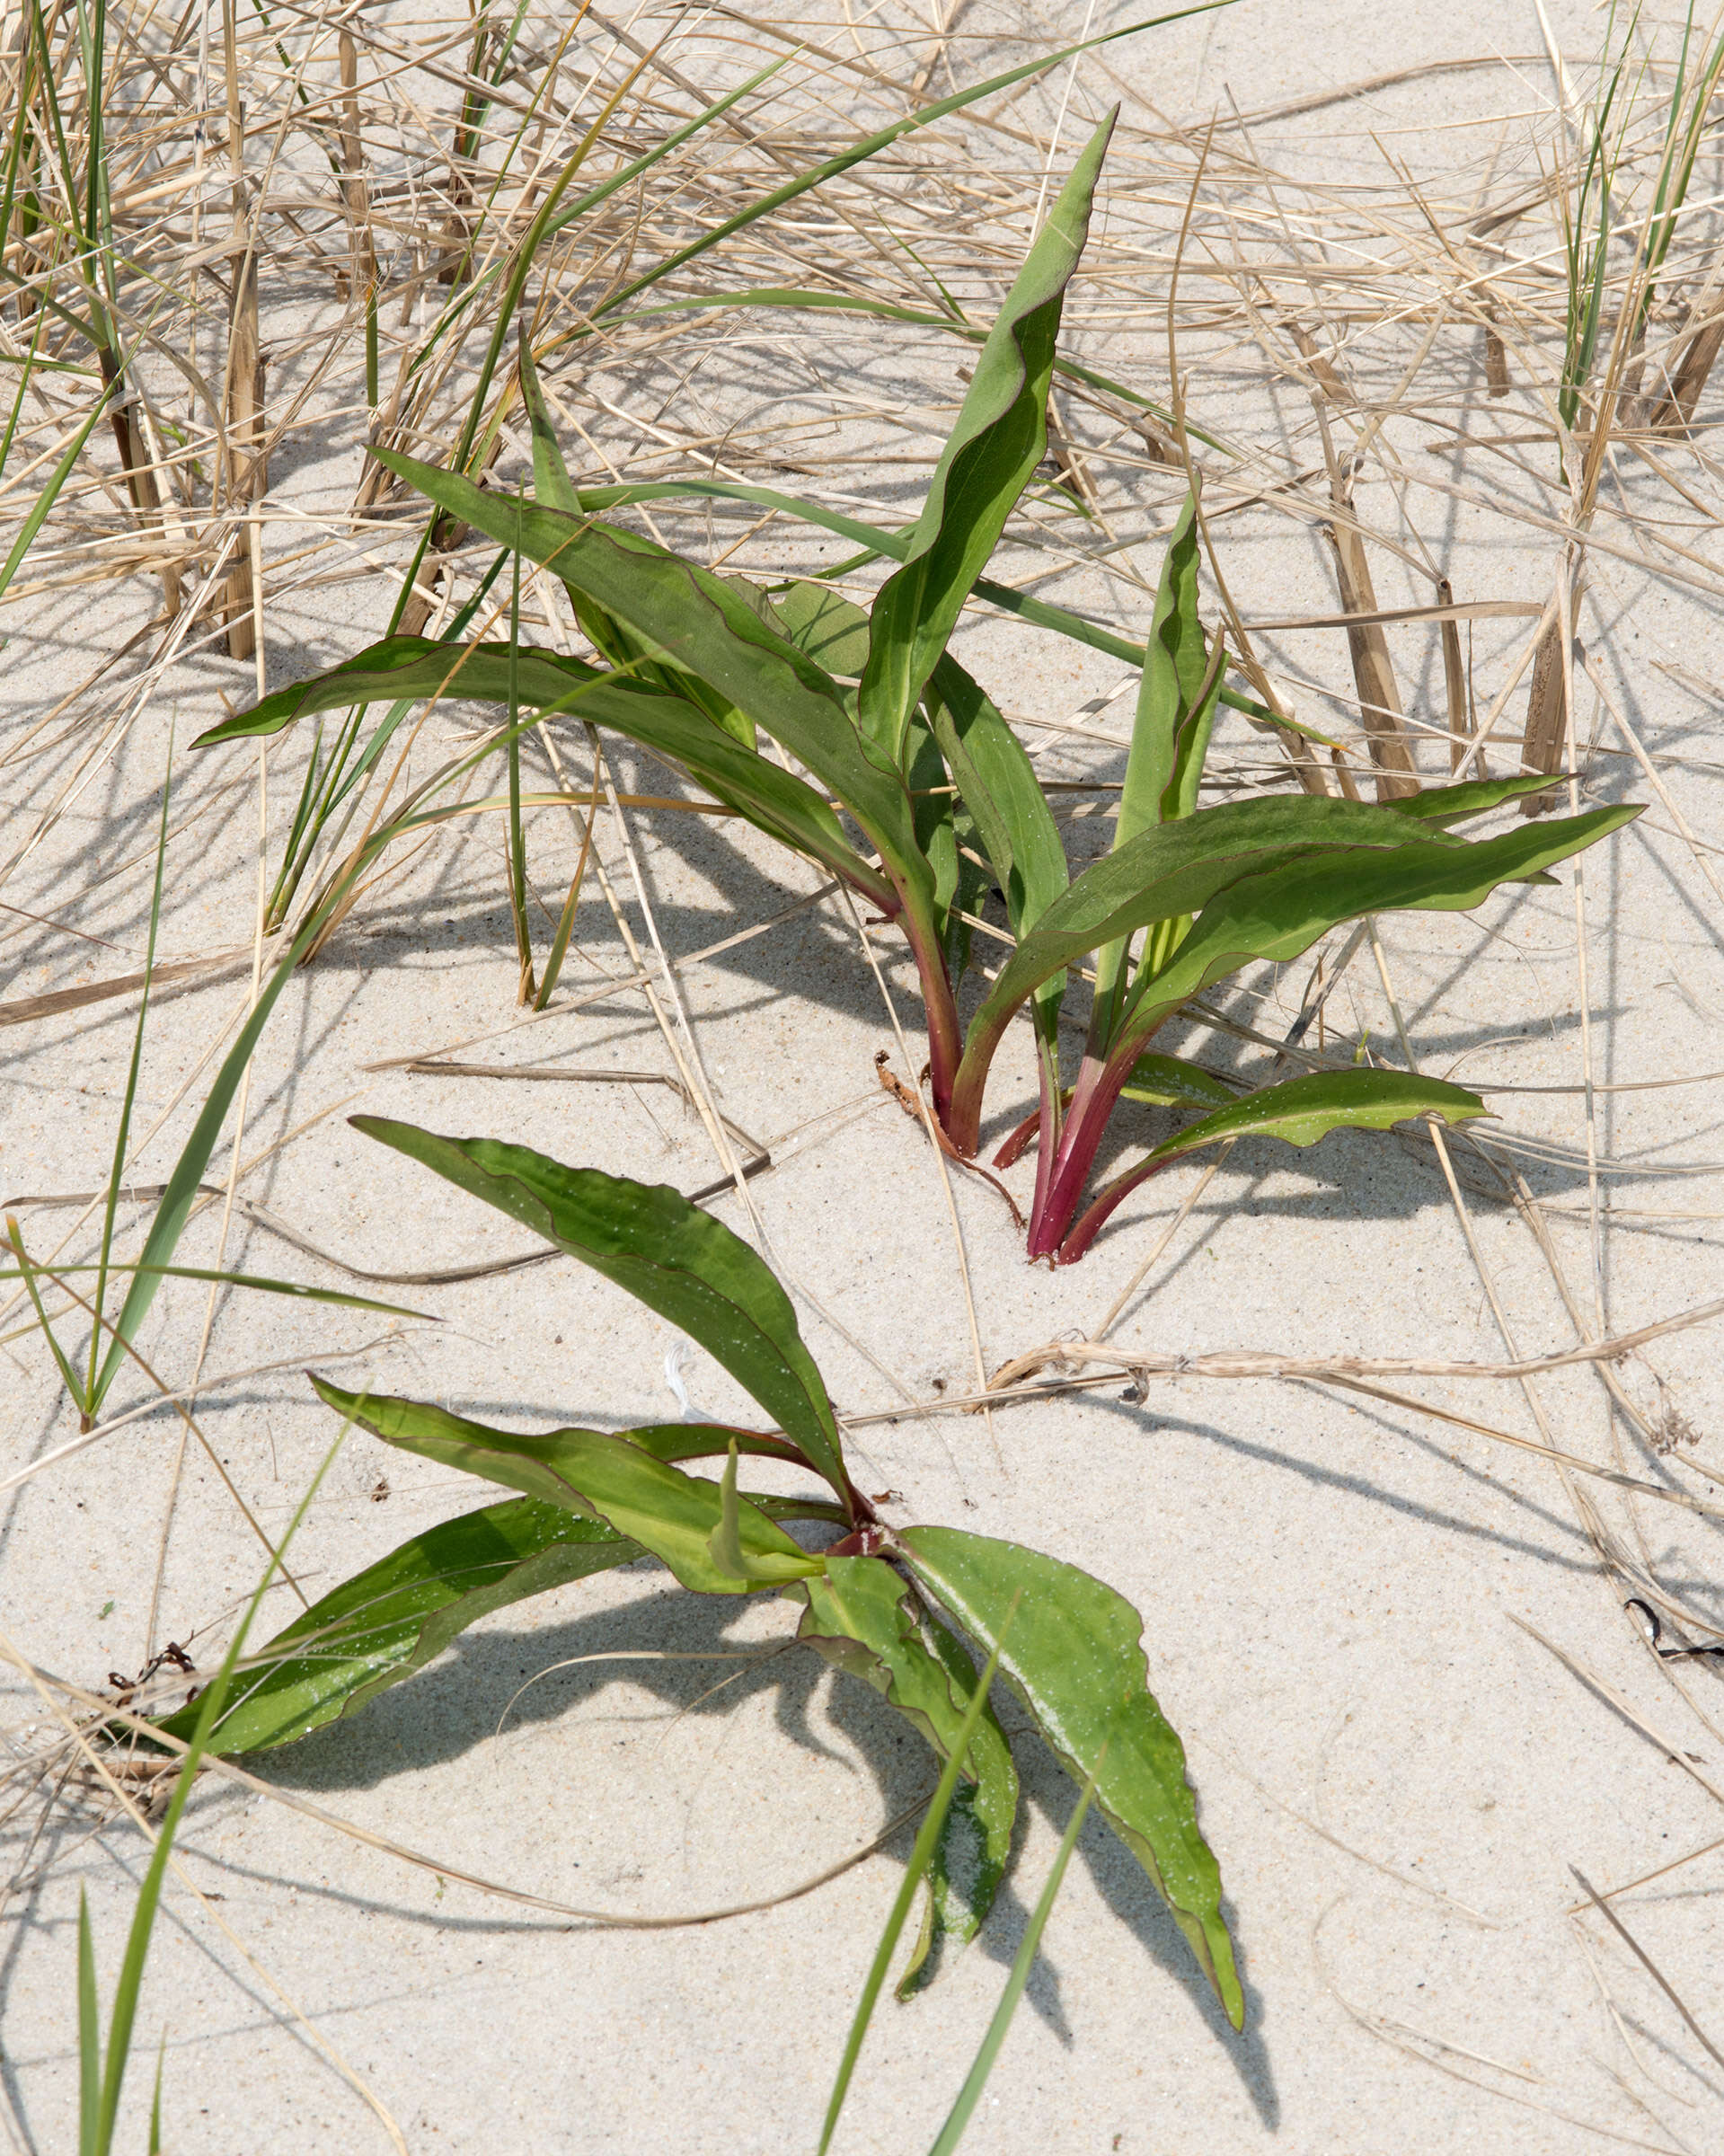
(1165, 871)
(1306, 1109)
(1282, 911)
(1074, 1654)
(861, 1619)
(1170, 1082)
(88, 2033)
(830, 627)
(1446, 804)
(1170, 739)
(669, 1254)
(1170, 733)
(959, 2117)
(400, 1613)
(591, 1472)
(409, 667)
(998, 785)
(922, 1857)
(989, 458)
(551, 481)
(685, 616)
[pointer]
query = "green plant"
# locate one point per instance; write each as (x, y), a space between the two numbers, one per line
(101, 2067)
(878, 1603)
(876, 707)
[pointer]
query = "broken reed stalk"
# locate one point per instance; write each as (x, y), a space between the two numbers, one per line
(1674, 414)
(1374, 674)
(356, 198)
(1457, 687)
(243, 460)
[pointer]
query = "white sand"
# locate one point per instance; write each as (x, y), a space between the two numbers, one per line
(1395, 1776)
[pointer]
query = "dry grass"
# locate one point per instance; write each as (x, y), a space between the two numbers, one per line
(1361, 349)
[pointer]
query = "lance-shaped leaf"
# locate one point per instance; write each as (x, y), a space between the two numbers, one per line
(404, 669)
(400, 1613)
(861, 1619)
(670, 1255)
(997, 783)
(591, 1472)
(1074, 1654)
(988, 460)
(1170, 730)
(1447, 805)
(1307, 1108)
(1282, 911)
(1170, 739)
(1166, 871)
(688, 617)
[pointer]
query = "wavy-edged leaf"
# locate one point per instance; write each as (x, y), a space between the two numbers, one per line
(1166, 871)
(1282, 911)
(988, 459)
(667, 1253)
(861, 1619)
(595, 1474)
(1304, 1110)
(1074, 1654)
(405, 668)
(687, 616)
(1447, 805)
(400, 1613)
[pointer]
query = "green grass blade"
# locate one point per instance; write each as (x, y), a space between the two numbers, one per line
(24, 375)
(572, 212)
(976, 2081)
(870, 145)
(259, 1282)
(122, 1135)
(27, 1273)
(89, 2035)
(516, 834)
(49, 495)
(124, 2013)
(921, 1858)
(156, 2098)
(861, 1619)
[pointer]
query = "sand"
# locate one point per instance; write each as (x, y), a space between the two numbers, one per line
(1413, 1704)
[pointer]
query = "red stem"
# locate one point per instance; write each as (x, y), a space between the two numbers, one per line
(1060, 1185)
(1094, 1216)
(945, 1042)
